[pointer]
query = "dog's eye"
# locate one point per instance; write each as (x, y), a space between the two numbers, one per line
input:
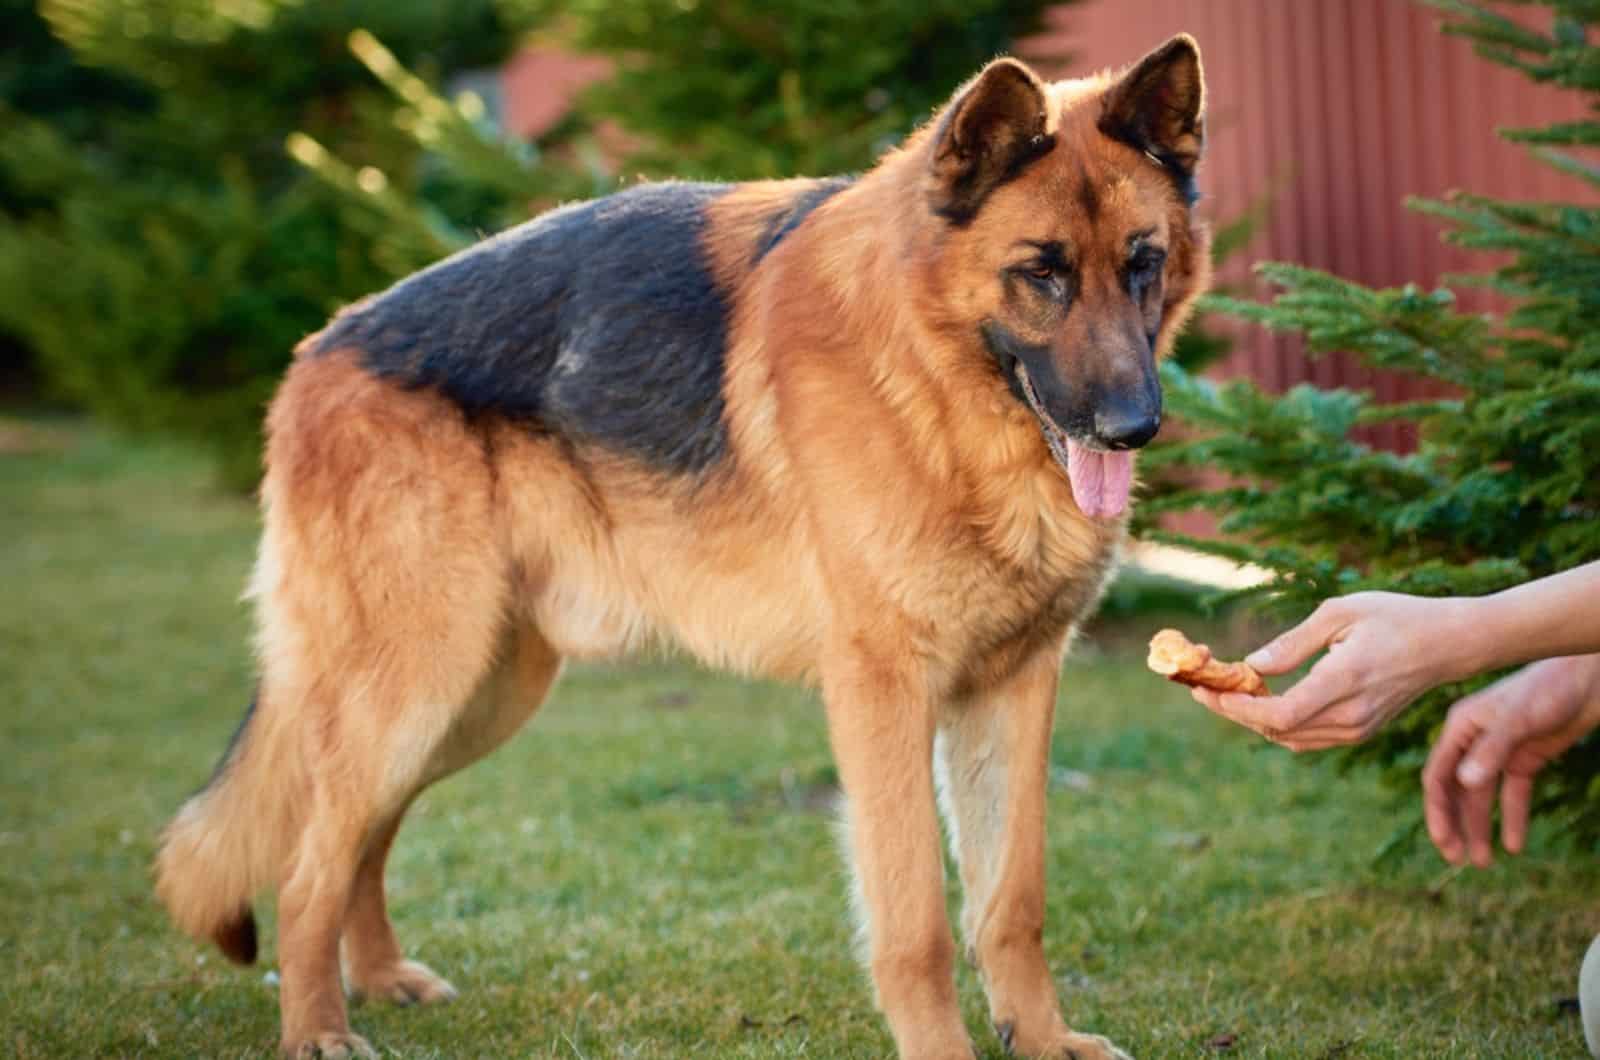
(1041, 272)
(1147, 261)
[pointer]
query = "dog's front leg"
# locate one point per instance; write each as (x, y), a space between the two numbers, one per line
(881, 723)
(994, 769)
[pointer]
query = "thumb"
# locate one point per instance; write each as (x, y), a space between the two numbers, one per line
(1293, 647)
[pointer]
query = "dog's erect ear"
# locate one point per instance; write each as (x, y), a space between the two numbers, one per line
(1159, 105)
(994, 128)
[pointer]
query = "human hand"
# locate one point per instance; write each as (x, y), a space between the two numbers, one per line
(1384, 650)
(1508, 730)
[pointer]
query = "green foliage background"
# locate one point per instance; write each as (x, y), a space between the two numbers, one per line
(159, 260)
(1505, 486)
(746, 89)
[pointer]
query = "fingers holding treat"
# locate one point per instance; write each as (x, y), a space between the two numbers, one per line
(1179, 659)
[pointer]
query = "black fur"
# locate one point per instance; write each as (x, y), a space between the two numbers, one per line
(599, 321)
(1088, 195)
(238, 939)
(1008, 350)
(1181, 175)
(800, 207)
(1182, 178)
(973, 188)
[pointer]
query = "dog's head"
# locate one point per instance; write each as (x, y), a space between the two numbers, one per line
(1069, 248)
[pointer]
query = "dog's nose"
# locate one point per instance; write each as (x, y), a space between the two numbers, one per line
(1125, 428)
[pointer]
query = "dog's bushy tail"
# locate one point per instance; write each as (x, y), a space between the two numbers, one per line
(230, 839)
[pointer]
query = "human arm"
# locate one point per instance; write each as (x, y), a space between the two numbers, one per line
(1385, 649)
(1551, 617)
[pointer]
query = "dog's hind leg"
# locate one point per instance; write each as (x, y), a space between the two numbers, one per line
(366, 753)
(375, 966)
(993, 771)
(382, 602)
(311, 905)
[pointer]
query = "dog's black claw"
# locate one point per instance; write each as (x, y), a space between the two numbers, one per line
(1006, 1031)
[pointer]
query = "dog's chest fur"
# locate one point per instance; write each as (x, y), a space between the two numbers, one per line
(1028, 571)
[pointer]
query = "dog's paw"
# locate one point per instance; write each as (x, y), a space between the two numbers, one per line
(1087, 1047)
(333, 1045)
(405, 983)
(1065, 1045)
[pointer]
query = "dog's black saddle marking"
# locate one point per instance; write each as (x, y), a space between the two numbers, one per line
(600, 321)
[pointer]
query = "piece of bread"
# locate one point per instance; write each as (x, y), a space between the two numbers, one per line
(1178, 659)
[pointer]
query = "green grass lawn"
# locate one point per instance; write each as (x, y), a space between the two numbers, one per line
(649, 869)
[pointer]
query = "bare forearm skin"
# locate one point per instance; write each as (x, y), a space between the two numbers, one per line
(1553, 616)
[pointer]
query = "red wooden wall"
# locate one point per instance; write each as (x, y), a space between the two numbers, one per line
(1337, 109)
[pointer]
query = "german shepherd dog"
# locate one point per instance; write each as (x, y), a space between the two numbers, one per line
(873, 434)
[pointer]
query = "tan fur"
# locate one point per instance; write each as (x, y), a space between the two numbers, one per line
(889, 525)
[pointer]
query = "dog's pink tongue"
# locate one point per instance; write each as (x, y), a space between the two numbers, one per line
(1100, 481)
